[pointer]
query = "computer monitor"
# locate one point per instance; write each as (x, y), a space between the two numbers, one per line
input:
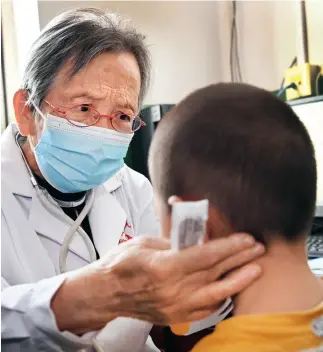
(310, 112)
(137, 156)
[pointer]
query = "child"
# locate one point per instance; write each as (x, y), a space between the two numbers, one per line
(247, 152)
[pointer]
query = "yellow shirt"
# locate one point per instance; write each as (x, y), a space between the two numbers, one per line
(291, 332)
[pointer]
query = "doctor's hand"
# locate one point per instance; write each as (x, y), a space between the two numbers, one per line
(144, 279)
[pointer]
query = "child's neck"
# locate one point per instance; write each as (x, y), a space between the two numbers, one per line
(287, 284)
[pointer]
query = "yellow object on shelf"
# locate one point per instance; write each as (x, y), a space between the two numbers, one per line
(305, 76)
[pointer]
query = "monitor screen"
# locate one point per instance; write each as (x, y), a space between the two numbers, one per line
(310, 112)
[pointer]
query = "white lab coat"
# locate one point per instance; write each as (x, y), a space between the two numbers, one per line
(31, 239)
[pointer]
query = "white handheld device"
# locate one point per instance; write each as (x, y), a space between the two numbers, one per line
(189, 220)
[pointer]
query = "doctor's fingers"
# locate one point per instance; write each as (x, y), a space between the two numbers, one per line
(132, 248)
(148, 242)
(206, 289)
(158, 243)
(209, 297)
(208, 276)
(203, 257)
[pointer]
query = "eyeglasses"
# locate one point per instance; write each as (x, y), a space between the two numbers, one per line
(86, 116)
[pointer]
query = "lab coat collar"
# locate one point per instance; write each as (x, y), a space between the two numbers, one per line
(107, 217)
(114, 182)
(13, 167)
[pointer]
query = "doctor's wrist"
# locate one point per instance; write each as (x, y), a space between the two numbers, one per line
(83, 304)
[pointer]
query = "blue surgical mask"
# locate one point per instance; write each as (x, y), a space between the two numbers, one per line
(74, 159)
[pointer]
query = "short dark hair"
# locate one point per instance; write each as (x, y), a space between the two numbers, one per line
(246, 151)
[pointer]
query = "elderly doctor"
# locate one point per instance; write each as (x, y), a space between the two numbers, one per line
(68, 200)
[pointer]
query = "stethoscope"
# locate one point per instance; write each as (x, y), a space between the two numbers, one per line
(75, 227)
(73, 230)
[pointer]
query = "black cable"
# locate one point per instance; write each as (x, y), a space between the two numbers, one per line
(291, 65)
(292, 85)
(231, 46)
(235, 68)
(236, 43)
(238, 61)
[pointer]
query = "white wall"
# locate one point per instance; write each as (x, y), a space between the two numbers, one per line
(268, 38)
(20, 28)
(183, 39)
(190, 41)
(26, 22)
(10, 58)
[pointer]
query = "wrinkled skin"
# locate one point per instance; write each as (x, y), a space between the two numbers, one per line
(144, 279)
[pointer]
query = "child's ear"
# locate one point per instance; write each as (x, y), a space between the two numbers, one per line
(174, 199)
(208, 232)
(165, 212)
(217, 225)
(209, 226)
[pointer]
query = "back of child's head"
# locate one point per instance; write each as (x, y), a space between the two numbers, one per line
(244, 150)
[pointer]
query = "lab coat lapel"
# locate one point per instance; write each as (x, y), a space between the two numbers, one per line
(15, 182)
(107, 217)
(32, 256)
(48, 225)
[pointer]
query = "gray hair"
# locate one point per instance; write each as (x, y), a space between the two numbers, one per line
(81, 35)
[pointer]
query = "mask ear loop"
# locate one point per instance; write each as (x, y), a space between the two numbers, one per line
(41, 114)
